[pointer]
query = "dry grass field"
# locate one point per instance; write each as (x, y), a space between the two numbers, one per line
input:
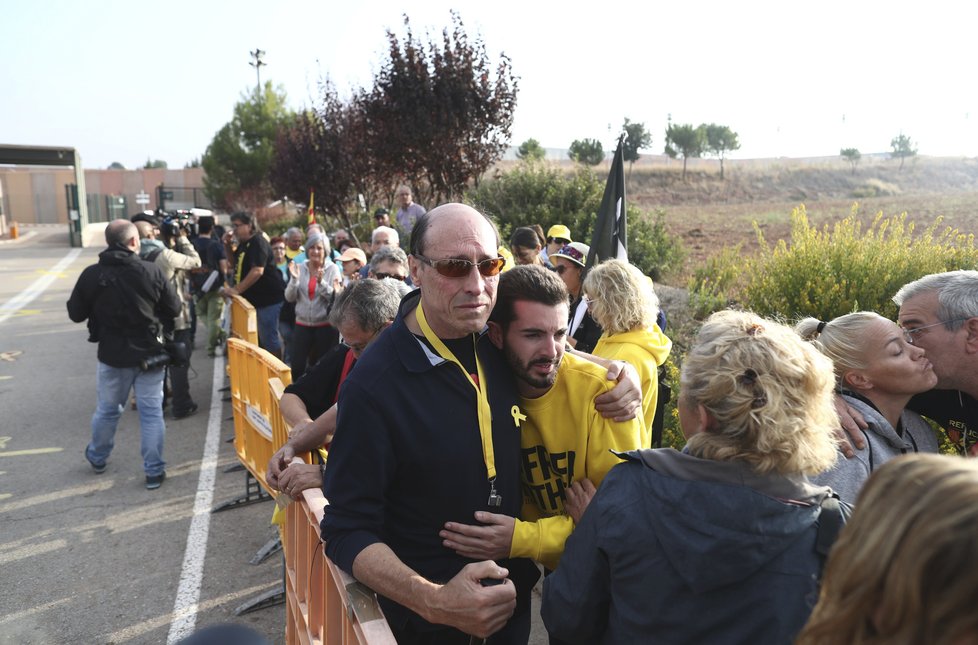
(709, 213)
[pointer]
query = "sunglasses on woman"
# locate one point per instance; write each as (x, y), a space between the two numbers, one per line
(458, 268)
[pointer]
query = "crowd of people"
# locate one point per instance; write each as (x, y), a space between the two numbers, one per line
(487, 414)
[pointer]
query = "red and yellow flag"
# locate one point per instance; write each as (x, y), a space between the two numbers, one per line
(311, 217)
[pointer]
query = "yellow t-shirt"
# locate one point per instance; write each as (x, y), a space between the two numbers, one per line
(645, 350)
(564, 440)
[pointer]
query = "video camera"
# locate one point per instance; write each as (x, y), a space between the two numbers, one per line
(172, 222)
(174, 353)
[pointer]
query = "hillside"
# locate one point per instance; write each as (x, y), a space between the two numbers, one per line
(709, 213)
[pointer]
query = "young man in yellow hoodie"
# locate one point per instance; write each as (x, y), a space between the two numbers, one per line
(563, 438)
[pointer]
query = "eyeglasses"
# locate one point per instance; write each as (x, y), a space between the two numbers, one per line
(562, 268)
(458, 268)
(278, 248)
(396, 276)
(910, 334)
(557, 240)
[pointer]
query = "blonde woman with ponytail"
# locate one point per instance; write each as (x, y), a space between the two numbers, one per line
(877, 372)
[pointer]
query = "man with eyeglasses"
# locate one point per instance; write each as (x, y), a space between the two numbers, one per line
(939, 313)
(256, 278)
(439, 444)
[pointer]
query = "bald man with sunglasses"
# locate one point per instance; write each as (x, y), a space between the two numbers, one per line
(440, 443)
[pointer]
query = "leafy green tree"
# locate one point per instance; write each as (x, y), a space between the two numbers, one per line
(155, 163)
(586, 151)
(685, 140)
(115, 165)
(543, 194)
(193, 163)
(237, 161)
(720, 140)
(852, 155)
(902, 147)
(531, 150)
(438, 115)
(636, 138)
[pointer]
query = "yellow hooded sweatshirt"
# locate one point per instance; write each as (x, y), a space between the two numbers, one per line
(564, 439)
(645, 350)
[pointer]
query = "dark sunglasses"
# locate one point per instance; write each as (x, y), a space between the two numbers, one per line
(396, 276)
(458, 268)
(560, 240)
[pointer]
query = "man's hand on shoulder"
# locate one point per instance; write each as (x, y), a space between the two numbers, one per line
(492, 539)
(622, 402)
(852, 424)
(468, 605)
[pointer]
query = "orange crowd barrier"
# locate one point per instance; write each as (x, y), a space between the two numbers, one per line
(324, 604)
(254, 404)
(244, 320)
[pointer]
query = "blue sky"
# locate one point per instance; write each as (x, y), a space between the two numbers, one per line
(124, 81)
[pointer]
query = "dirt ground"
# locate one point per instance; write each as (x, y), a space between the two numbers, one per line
(709, 213)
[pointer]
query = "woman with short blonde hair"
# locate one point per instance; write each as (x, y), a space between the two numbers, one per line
(904, 568)
(715, 544)
(620, 298)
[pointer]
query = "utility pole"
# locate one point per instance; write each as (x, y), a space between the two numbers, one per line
(257, 64)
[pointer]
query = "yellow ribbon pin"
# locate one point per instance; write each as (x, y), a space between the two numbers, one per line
(517, 417)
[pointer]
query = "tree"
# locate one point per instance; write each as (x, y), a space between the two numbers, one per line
(115, 165)
(156, 163)
(637, 138)
(193, 163)
(437, 116)
(321, 150)
(531, 150)
(851, 155)
(720, 140)
(586, 151)
(902, 147)
(685, 140)
(237, 161)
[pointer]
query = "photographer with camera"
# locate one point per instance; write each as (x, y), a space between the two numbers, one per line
(176, 255)
(126, 301)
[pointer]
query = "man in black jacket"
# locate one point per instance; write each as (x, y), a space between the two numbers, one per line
(124, 299)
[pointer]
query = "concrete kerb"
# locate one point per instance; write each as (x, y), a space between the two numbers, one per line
(94, 234)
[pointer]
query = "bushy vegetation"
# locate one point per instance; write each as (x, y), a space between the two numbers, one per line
(544, 194)
(836, 270)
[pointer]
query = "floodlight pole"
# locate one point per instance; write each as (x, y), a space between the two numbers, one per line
(257, 64)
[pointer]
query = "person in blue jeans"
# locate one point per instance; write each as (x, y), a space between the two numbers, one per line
(125, 301)
(256, 278)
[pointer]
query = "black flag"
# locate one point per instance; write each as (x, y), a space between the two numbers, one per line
(609, 239)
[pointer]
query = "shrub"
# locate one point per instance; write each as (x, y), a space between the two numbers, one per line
(834, 271)
(543, 194)
(651, 247)
(710, 284)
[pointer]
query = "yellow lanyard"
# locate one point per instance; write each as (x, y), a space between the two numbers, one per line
(482, 394)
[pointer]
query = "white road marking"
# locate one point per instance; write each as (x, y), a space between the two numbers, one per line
(185, 608)
(25, 297)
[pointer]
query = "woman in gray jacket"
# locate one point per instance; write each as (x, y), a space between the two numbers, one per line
(877, 371)
(313, 285)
